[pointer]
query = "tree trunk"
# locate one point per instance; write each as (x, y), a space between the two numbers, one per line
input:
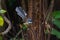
(36, 10)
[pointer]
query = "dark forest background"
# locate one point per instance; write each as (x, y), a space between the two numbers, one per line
(35, 11)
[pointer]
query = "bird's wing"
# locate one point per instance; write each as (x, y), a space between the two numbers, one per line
(21, 12)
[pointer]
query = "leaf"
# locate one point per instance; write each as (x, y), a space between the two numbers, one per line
(56, 17)
(24, 27)
(2, 11)
(56, 14)
(1, 21)
(56, 33)
(1, 38)
(57, 23)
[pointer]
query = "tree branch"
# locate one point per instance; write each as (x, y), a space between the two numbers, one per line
(49, 11)
(9, 25)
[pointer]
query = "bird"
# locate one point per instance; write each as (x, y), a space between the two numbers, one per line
(23, 14)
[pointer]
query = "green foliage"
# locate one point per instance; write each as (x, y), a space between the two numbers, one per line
(2, 11)
(56, 21)
(1, 21)
(55, 32)
(56, 14)
(24, 27)
(56, 17)
(1, 38)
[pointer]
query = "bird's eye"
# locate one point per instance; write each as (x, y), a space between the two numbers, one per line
(29, 20)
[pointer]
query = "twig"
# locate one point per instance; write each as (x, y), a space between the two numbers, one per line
(48, 15)
(49, 10)
(7, 21)
(9, 25)
(23, 35)
(17, 34)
